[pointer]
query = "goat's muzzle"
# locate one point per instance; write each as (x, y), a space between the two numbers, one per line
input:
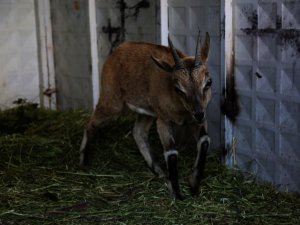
(200, 117)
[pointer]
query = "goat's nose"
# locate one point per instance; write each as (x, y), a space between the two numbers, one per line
(200, 116)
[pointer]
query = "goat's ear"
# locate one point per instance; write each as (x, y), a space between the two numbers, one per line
(205, 49)
(162, 64)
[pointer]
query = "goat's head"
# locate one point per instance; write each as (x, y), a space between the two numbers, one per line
(191, 79)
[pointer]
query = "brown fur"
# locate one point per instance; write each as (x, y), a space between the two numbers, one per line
(146, 85)
(130, 76)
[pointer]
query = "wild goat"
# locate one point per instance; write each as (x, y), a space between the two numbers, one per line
(162, 84)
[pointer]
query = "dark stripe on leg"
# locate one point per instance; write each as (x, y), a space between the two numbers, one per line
(199, 166)
(201, 161)
(173, 175)
(85, 148)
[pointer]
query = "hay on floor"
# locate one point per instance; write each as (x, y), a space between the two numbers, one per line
(40, 182)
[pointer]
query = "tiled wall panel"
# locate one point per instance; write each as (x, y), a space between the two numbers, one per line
(267, 65)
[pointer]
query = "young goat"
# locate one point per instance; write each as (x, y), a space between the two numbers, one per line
(162, 84)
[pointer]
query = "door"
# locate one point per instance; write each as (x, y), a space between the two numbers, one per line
(267, 65)
(107, 15)
(72, 53)
(185, 18)
(140, 24)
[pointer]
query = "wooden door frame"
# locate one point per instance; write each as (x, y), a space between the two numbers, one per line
(45, 54)
(94, 52)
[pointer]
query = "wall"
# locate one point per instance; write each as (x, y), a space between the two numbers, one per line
(19, 74)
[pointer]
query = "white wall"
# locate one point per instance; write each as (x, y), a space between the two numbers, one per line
(19, 74)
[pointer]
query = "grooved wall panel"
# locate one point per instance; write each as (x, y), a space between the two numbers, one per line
(267, 65)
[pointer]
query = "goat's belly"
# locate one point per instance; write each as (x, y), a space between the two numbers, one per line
(141, 110)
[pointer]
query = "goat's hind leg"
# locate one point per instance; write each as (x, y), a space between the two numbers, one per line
(100, 117)
(140, 134)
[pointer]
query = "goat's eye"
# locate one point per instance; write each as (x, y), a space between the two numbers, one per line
(208, 83)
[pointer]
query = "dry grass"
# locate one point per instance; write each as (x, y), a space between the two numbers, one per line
(40, 182)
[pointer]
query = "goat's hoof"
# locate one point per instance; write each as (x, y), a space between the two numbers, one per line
(194, 190)
(194, 187)
(179, 196)
(159, 172)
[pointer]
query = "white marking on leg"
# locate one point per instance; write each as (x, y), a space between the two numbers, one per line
(142, 145)
(199, 144)
(140, 110)
(146, 154)
(203, 139)
(82, 147)
(145, 151)
(170, 152)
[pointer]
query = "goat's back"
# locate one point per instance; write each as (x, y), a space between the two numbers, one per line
(131, 75)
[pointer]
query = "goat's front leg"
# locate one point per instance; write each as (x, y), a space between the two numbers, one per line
(140, 134)
(202, 148)
(164, 130)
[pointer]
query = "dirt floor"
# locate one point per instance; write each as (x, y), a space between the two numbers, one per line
(41, 183)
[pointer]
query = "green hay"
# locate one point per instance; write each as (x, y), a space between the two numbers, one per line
(40, 182)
